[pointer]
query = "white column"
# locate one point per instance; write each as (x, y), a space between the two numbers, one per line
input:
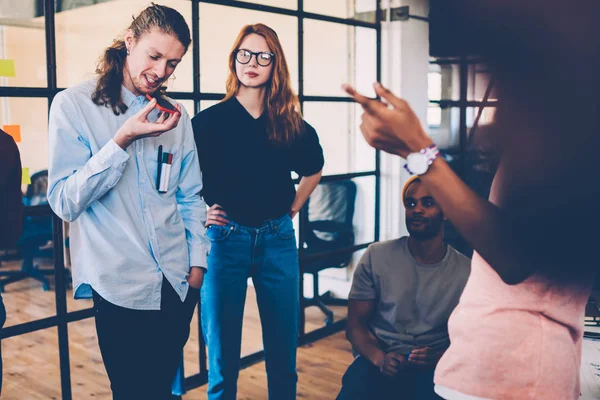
(405, 64)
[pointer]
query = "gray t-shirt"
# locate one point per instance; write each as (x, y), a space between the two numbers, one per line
(414, 300)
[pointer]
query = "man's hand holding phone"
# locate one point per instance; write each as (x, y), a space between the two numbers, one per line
(164, 105)
(138, 126)
(392, 363)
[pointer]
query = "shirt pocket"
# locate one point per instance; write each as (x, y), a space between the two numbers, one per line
(167, 171)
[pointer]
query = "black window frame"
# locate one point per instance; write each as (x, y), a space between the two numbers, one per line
(63, 317)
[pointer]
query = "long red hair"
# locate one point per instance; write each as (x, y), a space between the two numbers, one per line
(281, 104)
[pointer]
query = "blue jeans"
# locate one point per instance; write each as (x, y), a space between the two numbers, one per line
(269, 255)
(363, 380)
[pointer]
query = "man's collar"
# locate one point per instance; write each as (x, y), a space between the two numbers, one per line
(128, 97)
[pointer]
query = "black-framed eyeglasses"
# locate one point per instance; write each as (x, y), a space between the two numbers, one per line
(263, 58)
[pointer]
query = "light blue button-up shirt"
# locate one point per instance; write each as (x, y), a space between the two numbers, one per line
(125, 235)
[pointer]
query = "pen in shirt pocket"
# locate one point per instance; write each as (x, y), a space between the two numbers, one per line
(167, 160)
(159, 167)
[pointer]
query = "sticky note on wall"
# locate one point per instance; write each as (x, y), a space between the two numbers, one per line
(25, 178)
(7, 68)
(14, 131)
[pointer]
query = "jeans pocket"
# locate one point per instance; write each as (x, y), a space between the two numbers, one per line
(216, 233)
(286, 230)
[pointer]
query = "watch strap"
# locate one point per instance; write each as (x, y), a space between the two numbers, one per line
(431, 152)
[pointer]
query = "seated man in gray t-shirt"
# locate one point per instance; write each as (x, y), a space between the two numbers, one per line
(402, 295)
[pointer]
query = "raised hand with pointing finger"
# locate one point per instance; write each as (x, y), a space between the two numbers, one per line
(134, 204)
(393, 126)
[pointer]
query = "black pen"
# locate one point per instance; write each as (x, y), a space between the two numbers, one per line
(159, 167)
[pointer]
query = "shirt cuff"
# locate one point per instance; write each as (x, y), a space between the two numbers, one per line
(198, 257)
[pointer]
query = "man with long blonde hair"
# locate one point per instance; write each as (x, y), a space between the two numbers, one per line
(127, 178)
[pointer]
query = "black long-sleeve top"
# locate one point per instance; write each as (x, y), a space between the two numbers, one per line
(10, 191)
(244, 172)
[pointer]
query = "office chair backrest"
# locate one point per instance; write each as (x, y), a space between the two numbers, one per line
(36, 193)
(330, 211)
(37, 229)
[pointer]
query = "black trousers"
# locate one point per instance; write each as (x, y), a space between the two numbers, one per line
(142, 349)
(363, 380)
(2, 321)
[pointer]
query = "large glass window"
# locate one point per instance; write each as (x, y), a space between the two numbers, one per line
(27, 270)
(444, 82)
(350, 59)
(291, 4)
(22, 44)
(462, 125)
(444, 125)
(215, 48)
(26, 119)
(343, 145)
(338, 45)
(85, 30)
(355, 9)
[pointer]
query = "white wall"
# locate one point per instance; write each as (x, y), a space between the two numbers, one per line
(405, 61)
(17, 8)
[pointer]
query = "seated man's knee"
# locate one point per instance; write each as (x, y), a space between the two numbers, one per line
(359, 381)
(424, 385)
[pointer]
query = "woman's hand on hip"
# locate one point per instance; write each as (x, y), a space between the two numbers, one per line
(216, 216)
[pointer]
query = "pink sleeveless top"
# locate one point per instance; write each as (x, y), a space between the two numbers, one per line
(514, 342)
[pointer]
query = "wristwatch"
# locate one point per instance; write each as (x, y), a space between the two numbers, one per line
(418, 163)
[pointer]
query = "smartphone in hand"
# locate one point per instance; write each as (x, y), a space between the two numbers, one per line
(163, 105)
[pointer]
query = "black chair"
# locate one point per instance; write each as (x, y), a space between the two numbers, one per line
(36, 237)
(328, 216)
(592, 308)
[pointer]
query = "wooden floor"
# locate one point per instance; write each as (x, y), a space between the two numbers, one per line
(320, 369)
(31, 362)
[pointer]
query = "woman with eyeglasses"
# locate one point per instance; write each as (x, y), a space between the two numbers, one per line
(248, 146)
